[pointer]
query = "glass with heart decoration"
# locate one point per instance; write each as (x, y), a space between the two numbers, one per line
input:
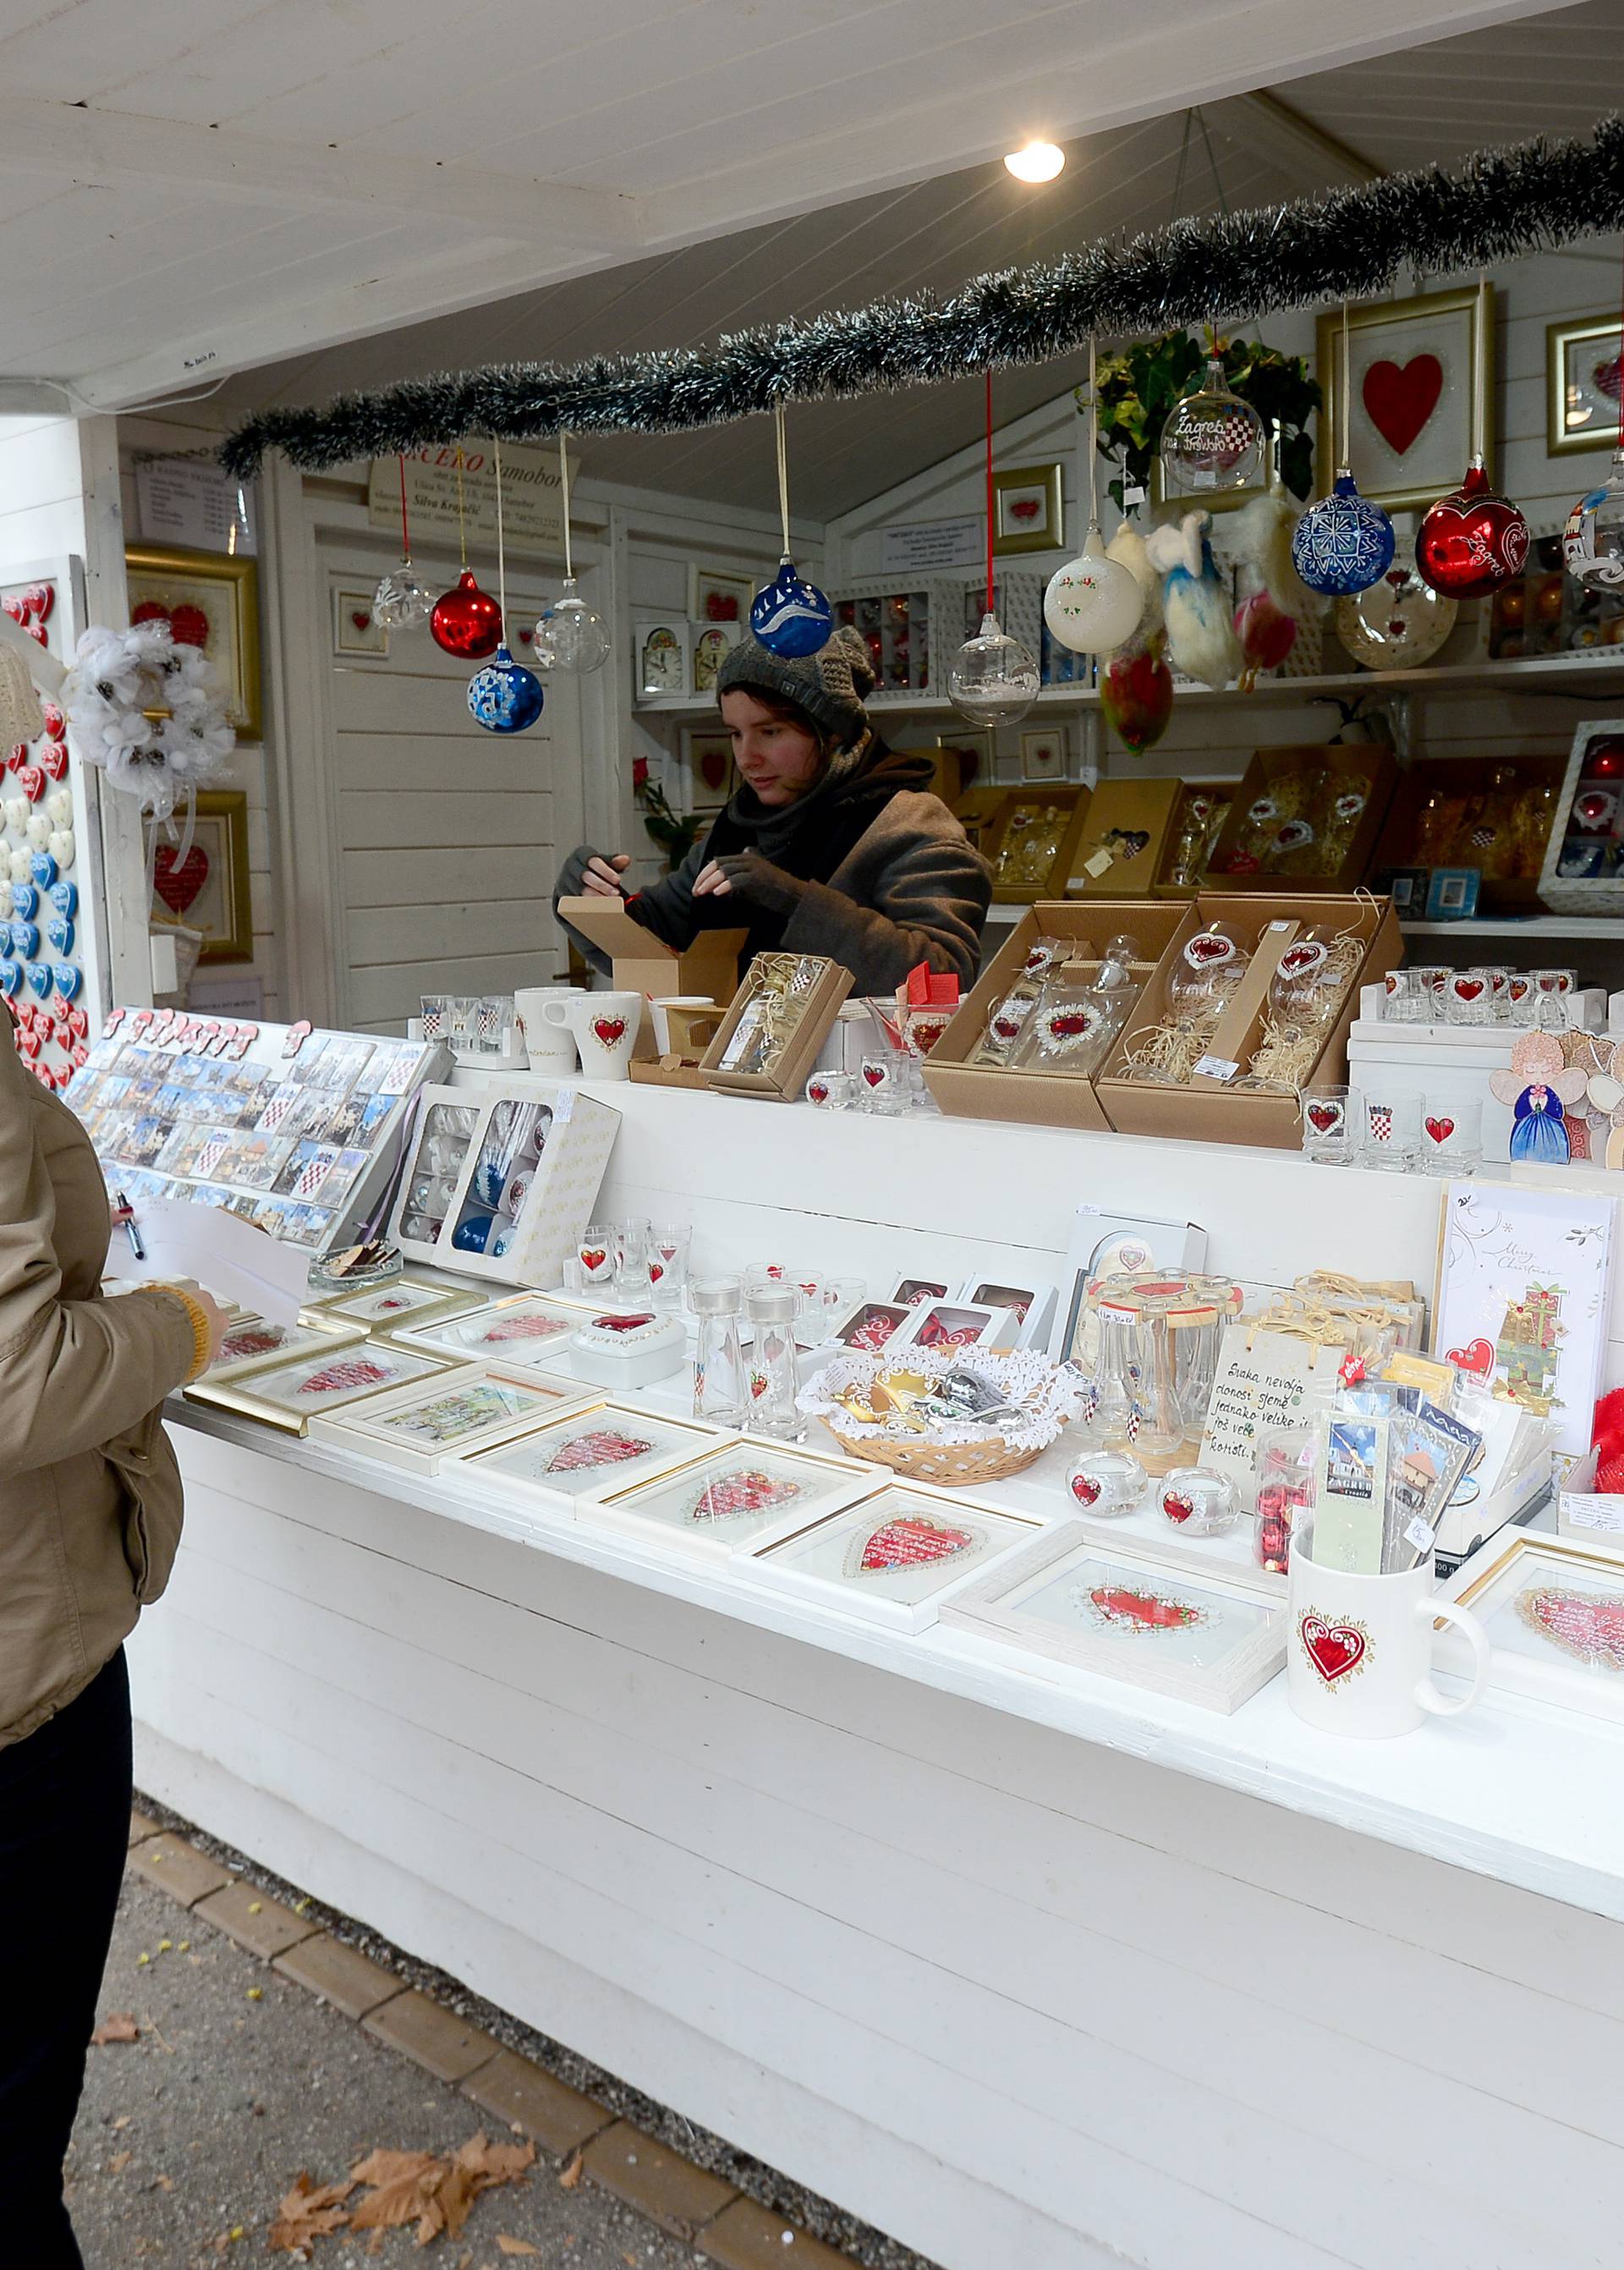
(1388, 1127)
(597, 1255)
(1469, 996)
(773, 1376)
(1451, 1133)
(1198, 1502)
(1104, 1484)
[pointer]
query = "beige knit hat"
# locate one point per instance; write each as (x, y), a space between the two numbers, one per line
(830, 685)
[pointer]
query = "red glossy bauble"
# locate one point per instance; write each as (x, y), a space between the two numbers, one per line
(1472, 541)
(467, 622)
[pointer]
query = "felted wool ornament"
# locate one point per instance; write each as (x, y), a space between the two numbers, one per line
(1258, 539)
(1201, 640)
(1136, 692)
(1127, 547)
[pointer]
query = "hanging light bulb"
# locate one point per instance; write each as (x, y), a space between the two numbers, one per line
(1093, 603)
(401, 599)
(569, 636)
(1211, 439)
(504, 697)
(992, 679)
(1593, 535)
(1471, 541)
(1343, 543)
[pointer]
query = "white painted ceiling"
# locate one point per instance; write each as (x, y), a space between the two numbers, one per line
(198, 186)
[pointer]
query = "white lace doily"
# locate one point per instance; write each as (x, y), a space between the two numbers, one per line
(1046, 1392)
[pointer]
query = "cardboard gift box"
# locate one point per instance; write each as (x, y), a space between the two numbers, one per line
(1199, 818)
(1015, 882)
(645, 964)
(1122, 847)
(1208, 1108)
(786, 1076)
(1463, 788)
(1039, 1099)
(1274, 838)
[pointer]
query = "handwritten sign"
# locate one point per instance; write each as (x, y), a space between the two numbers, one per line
(532, 503)
(1265, 1381)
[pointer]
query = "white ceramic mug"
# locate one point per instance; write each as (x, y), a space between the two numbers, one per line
(662, 1002)
(548, 1047)
(1359, 1651)
(604, 1026)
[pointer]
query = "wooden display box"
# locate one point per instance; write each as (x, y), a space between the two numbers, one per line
(1222, 794)
(1111, 860)
(790, 1075)
(1064, 797)
(645, 964)
(1467, 778)
(1208, 1110)
(1039, 1099)
(1365, 763)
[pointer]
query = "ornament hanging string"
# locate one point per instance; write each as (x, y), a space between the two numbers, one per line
(1479, 374)
(564, 499)
(1093, 439)
(405, 537)
(1344, 460)
(783, 473)
(462, 532)
(990, 492)
(501, 548)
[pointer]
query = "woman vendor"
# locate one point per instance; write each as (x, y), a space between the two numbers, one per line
(831, 845)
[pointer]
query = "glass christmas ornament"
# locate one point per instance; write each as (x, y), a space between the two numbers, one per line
(465, 621)
(992, 681)
(1472, 541)
(1213, 440)
(1344, 543)
(401, 600)
(1593, 536)
(569, 636)
(1106, 1483)
(1399, 623)
(504, 697)
(1093, 603)
(789, 616)
(1135, 693)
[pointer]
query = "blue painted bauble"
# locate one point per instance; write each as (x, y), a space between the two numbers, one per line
(1342, 544)
(66, 979)
(39, 978)
(59, 935)
(471, 1232)
(25, 902)
(11, 977)
(64, 898)
(504, 697)
(26, 939)
(789, 616)
(43, 868)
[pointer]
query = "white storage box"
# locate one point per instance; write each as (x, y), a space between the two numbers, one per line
(627, 1350)
(1449, 1061)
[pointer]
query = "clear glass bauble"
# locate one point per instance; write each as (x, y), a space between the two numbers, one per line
(1213, 440)
(1399, 622)
(400, 599)
(1593, 536)
(1093, 603)
(569, 636)
(1342, 544)
(505, 697)
(992, 681)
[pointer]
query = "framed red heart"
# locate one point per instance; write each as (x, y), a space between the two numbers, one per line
(178, 881)
(1477, 1355)
(1334, 1650)
(1440, 1129)
(1398, 401)
(609, 1029)
(360, 617)
(713, 767)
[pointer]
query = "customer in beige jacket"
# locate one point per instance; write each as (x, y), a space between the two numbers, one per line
(90, 1515)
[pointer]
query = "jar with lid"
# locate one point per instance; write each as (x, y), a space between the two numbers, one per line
(1158, 1354)
(719, 1386)
(774, 1377)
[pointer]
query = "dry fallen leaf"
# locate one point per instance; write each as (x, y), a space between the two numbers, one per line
(569, 2176)
(117, 2026)
(310, 2211)
(505, 2245)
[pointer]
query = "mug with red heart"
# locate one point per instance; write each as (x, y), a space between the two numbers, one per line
(604, 1026)
(1359, 1648)
(1451, 1133)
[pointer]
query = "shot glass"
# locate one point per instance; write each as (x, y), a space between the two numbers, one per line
(1328, 1125)
(667, 1262)
(1469, 996)
(435, 1010)
(1403, 1001)
(1451, 1134)
(597, 1255)
(1389, 1129)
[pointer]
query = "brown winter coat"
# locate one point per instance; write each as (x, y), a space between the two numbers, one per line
(90, 1495)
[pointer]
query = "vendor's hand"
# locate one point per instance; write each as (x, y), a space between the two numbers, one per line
(747, 875)
(219, 1323)
(600, 877)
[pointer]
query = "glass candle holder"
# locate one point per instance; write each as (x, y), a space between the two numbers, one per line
(1105, 1483)
(1199, 1502)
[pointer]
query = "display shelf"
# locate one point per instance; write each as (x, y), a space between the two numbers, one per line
(1520, 926)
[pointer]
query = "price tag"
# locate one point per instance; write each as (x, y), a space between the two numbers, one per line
(1100, 865)
(1217, 1068)
(1417, 1534)
(1131, 495)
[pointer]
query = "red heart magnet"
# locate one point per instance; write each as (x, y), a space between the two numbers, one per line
(52, 759)
(1477, 1355)
(31, 780)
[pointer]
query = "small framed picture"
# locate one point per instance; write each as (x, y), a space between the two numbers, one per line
(288, 1395)
(717, 598)
(1452, 894)
(893, 1559)
(1421, 380)
(420, 1426)
(1584, 384)
(206, 888)
(732, 1498)
(211, 601)
(519, 1334)
(1026, 513)
(255, 1340)
(402, 1300)
(590, 1455)
(712, 779)
(711, 644)
(660, 651)
(1043, 755)
(356, 628)
(1554, 1611)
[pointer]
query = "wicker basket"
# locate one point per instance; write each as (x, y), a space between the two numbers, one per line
(952, 1466)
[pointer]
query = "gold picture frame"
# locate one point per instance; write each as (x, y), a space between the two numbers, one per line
(225, 591)
(1028, 510)
(1579, 414)
(209, 889)
(1410, 436)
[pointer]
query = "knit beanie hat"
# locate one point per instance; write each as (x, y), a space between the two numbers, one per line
(829, 685)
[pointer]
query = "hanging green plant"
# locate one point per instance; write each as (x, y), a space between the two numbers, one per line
(1139, 388)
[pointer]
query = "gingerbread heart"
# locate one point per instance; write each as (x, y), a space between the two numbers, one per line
(31, 780)
(52, 759)
(1334, 1650)
(731, 1496)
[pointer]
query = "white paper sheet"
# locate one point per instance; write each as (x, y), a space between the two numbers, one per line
(226, 1256)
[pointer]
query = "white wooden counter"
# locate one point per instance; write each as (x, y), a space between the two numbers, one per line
(1032, 1970)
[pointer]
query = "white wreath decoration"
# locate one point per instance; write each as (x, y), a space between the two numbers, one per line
(117, 677)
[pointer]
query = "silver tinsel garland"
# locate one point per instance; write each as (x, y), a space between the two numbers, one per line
(1347, 244)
